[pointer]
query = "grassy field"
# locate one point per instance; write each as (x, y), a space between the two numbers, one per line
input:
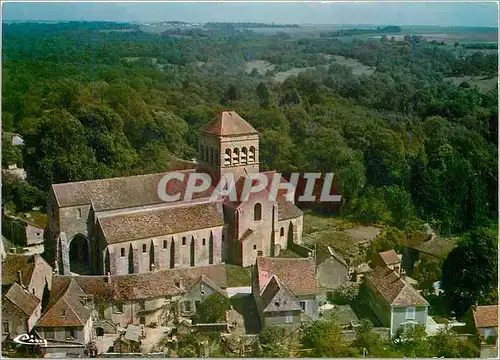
(238, 276)
(484, 83)
(282, 76)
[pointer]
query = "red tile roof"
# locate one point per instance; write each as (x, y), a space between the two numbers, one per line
(393, 289)
(229, 123)
(486, 316)
(24, 300)
(276, 297)
(298, 275)
(168, 282)
(66, 307)
(389, 257)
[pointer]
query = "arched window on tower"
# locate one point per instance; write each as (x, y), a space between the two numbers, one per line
(236, 156)
(212, 155)
(251, 155)
(206, 154)
(243, 155)
(227, 157)
(257, 212)
(217, 157)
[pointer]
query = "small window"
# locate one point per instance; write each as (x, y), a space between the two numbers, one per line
(259, 253)
(282, 231)
(5, 327)
(203, 241)
(144, 248)
(187, 306)
(122, 252)
(288, 318)
(142, 305)
(257, 212)
(118, 308)
(37, 234)
(277, 304)
(79, 216)
(70, 333)
(33, 291)
(255, 247)
(410, 313)
(183, 240)
(63, 314)
(142, 320)
(53, 212)
(164, 244)
(303, 305)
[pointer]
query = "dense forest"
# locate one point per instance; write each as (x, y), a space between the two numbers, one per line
(406, 145)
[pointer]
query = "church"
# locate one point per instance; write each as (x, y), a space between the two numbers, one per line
(120, 226)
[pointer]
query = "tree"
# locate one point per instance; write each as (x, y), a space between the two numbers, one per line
(263, 94)
(272, 342)
(19, 196)
(346, 293)
(213, 309)
(324, 338)
(446, 344)
(372, 344)
(412, 342)
(470, 272)
(10, 154)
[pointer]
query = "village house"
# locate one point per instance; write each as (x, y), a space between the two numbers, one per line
(20, 231)
(151, 298)
(67, 323)
(128, 229)
(285, 291)
(483, 321)
(426, 247)
(331, 269)
(25, 280)
(394, 301)
(389, 259)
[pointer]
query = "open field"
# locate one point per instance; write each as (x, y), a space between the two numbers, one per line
(282, 76)
(448, 38)
(482, 82)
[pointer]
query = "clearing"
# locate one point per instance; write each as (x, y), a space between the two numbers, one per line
(484, 83)
(262, 66)
(357, 67)
(238, 276)
(282, 76)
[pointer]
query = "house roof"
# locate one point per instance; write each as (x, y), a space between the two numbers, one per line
(24, 263)
(393, 289)
(119, 193)
(66, 307)
(438, 246)
(170, 220)
(389, 257)
(14, 263)
(297, 274)
(327, 253)
(485, 316)
(276, 297)
(228, 123)
(168, 282)
(208, 282)
(24, 300)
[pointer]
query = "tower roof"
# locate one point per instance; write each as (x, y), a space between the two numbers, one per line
(228, 123)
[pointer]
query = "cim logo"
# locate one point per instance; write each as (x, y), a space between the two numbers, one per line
(25, 339)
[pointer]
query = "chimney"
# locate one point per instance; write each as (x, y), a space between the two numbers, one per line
(20, 277)
(402, 274)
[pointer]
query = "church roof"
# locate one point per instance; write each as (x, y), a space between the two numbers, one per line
(118, 193)
(229, 123)
(164, 221)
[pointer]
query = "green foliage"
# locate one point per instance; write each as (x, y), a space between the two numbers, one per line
(372, 343)
(346, 293)
(470, 272)
(272, 342)
(412, 342)
(446, 344)
(213, 309)
(404, 143)
(10, 154)
(324, 339)
(19, 196)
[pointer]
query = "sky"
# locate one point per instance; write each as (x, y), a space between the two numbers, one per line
(380, 13)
